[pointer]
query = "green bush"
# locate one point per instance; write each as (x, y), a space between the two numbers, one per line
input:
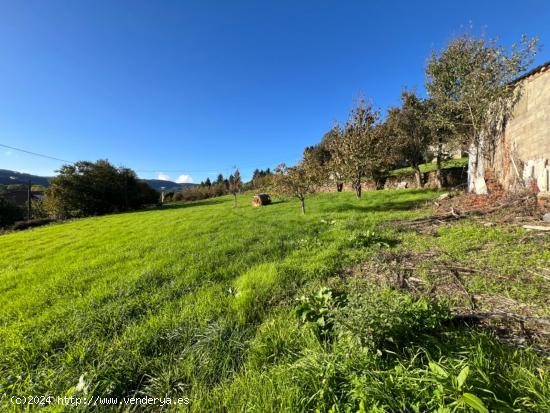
(320, 309)
(9, 213)
(385, 319)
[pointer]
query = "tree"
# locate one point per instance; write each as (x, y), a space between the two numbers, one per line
(297, 181)
(261, 179)
(359, 152)
(472, 79)
(321, 157)
(207, 183)
(443, 135)
(96, 188)
(235, 185)
(409, 125)
(9, 213)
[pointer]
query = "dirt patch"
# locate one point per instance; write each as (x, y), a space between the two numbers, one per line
(437, 275)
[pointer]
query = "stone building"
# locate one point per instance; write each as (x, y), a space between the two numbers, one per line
(522, 156)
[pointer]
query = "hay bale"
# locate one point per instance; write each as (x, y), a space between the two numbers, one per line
(260, 200)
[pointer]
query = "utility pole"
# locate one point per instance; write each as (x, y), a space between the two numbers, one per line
(125, 189)
(29, 201)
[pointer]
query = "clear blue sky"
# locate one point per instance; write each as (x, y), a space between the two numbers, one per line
(195, 87)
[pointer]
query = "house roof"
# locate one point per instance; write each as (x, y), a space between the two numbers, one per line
(539, 68)
(20, 197)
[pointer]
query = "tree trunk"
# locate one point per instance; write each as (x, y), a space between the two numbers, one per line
(438, 175)
(476, 170)
(418, 177)
(339, 186)
(357, 187)
(303, 205)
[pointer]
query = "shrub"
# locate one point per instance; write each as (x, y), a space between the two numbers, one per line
(9, 213)
(385, 319)
(319, 309)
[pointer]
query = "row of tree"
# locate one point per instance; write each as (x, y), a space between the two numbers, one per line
(472, 91)
(471, 94)
(208, 189)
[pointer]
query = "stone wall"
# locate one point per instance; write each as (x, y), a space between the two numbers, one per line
(452, 178)
(523, 153)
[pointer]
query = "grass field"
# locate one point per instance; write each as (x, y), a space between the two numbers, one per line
(430, 167)
(226, 307)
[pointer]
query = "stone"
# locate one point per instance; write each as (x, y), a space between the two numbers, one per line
(546, 217)
(402, 185)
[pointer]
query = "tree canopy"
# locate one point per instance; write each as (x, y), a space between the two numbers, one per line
(472, 81)
(94, 188)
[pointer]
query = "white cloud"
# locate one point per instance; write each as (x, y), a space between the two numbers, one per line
(184, 179)
(163, 177)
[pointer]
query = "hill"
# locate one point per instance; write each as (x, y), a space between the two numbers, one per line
(168, 185)
(352, 307)
(8, 177)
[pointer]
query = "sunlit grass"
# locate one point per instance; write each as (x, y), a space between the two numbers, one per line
(197, 300)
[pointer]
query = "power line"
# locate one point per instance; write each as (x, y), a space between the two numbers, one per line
(35, 153)
(136, 170)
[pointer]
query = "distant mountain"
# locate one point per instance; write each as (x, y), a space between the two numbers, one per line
(8, 177)
(169, 186)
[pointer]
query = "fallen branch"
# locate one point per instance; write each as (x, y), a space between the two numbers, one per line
(537, 227)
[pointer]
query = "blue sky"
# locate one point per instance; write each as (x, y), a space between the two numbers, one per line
(192, 88)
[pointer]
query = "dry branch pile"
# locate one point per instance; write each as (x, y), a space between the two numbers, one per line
(438, 275)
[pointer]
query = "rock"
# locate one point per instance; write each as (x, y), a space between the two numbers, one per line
(546, 217)
(489, 224)
(402, 185)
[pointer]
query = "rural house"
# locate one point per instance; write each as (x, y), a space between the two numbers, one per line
(522, 155)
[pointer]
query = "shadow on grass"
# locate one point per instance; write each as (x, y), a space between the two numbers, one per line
(202, 202)
(380, 202)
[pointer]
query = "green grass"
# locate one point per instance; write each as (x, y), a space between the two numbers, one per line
(198, 301)
(430, 167)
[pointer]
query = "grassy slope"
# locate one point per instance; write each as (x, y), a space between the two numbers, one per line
(430, 167)
(196, 301)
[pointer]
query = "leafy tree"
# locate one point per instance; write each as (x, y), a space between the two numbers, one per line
(219, 179)
(9, 213)
(412, 135)
(320, 158)
(261, 178)
(208, 183)
(330, 138)
(472, 79)
(235, 185)
(360, 152)
(443, 134)
(95, 188)
(297, 181)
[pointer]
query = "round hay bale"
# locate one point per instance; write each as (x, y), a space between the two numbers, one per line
(261, 200)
